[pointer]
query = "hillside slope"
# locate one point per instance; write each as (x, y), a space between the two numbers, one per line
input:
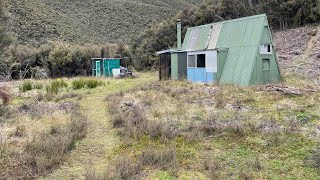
(88, 21)
(298, 52)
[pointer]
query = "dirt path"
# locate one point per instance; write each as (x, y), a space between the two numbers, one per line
(92, 151)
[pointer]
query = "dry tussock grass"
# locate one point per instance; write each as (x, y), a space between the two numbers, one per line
(168, 112)
(5, 95)
(40, 152)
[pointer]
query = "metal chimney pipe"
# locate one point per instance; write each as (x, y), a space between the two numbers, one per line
(179, 34)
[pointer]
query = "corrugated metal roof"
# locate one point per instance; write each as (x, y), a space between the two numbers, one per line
(215, 32)
(238, 66)
(244, 32)
(196, 38)
(237, 32)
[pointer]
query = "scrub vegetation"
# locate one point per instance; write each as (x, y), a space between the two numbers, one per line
(94, 21)
(42, 128)
(36, 134)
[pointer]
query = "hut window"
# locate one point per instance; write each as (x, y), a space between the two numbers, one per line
(192, 61)
(201, 60)
(265, 49)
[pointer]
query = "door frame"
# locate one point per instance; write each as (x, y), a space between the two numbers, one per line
(98, 62)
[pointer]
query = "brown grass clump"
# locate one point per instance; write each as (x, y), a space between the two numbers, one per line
(4, 95)
(314, 159)
(20, 131)
(160, 158)
(48, 149)
(125, 167)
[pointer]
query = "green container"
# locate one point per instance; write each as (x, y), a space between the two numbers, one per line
(108, 65)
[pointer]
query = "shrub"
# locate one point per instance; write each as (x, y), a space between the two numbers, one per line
(126, 168)
(6, 113)
(20, 131)
(118, 121)
(4, 95)
(165, 158)
(314, 159)
(26, 86)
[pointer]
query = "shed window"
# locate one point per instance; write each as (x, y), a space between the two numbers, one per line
(191, 61)
(201, 60)
(265, 49)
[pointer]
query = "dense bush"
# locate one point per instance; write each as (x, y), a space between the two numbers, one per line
(55, 59)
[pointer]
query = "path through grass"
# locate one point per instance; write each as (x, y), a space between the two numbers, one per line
(92, 151)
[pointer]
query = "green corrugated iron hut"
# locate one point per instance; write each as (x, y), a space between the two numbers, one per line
(238, 51)
(106, 67)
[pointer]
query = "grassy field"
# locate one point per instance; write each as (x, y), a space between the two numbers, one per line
(144, 129)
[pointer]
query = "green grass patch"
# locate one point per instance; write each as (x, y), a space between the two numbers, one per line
(55, 86)
(89, 83)
(26, 86)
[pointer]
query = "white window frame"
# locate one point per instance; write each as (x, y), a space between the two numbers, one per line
(196, 53)
(195, 59)
(264, 48)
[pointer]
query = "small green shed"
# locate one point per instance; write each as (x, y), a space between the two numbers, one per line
(106, 67)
